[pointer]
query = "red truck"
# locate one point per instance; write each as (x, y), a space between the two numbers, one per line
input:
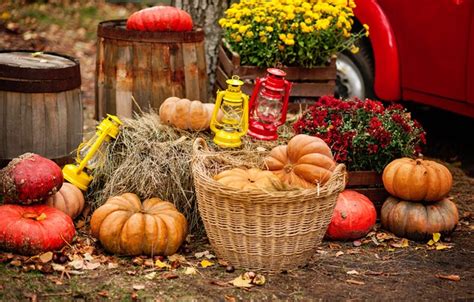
(417, 50)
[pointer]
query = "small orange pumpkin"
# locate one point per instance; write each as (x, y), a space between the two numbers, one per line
(185, 114)
(304, 162)
(125, 226)
(249, 179)
(417, 179)
(69, 199)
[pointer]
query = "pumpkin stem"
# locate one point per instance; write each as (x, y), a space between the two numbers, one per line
(418, 161)
(30, 215)
(288, 168)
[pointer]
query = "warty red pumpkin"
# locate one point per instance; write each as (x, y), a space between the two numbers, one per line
(160, 18)
(35, 229)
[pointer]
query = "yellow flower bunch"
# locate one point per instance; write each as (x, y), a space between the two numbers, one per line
(291, 32)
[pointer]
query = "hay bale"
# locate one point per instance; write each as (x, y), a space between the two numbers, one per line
(154, 160)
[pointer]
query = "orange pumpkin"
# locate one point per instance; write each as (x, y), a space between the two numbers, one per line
(125, 226)
(185, 114)
(69, 199)
(249, 179)
(417, 179)
(304, 162)
(419, 221)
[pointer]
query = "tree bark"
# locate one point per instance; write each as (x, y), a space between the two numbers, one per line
(206, 14)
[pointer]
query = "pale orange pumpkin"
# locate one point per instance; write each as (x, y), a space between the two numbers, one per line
(249, 179)
(417, 179)
(418, 221)
(69, 199)
(304, 162)
(185, 114)
(125, 226)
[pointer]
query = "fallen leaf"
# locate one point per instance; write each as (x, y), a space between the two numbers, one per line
(103, 293)
(431, 242)
(204, 254)
(357, 243)
(448, 277)
(134, 296)
(229, 298)
(440, 246)
(258, 280)
(91, 265)
(112, 265)
(222, 262)
(150, 276)
(46, 257)
(241, 282)
(58, 267)
(206, 263)
(190, 271)
(334, 246)
(77, 264)
(177, 257)
(161, 264)
(436, 237)
(149, 262)
(339, 253)
(353, 272)
(138, 286)
(131, 273)
(16, 263)
(220, 283)
(37, 53)
(169, 275)
(88, 257)
(356, 282)
(390, 250)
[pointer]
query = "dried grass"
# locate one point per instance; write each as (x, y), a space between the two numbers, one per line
(154, 160)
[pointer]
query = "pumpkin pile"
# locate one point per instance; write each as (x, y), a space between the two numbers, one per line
(27, 225)
(419, 205)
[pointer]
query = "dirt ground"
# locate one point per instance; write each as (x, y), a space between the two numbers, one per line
(378, 267)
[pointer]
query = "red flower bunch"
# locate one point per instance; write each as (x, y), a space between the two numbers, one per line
(363, 134)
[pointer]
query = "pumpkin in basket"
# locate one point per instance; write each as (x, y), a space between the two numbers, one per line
(304, 162)
(249, 179)
(125, 226)
(417, 179)
(185, 114)
(418, 221)
(69, 199)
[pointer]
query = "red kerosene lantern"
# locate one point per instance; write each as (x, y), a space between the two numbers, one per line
(268, 105)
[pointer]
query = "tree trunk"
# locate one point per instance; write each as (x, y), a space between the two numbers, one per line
(206, 14)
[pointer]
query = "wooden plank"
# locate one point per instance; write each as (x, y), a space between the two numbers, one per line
(78, 114)
(3, 125)
(221, 77)
(141, 76)
(123, 93)
(26, 118)
(161, 74)
(364, 178)
(38, 120)
(51, 126)
(224, 61)
(202, 72)
(109, 77)
(100, 80)
(62, 119)
(177, 70)
(191, 79)
(13, 125)
(312, 89)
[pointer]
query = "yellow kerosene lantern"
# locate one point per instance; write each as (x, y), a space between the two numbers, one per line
(235, 121)
(90, 154)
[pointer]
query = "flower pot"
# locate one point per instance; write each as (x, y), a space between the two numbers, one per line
(307, 82)
(370, 184)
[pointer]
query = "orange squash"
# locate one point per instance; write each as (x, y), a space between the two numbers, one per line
(417, 179)
(249, 179)
(185, 114)
(418, 221)
(304, 162)
(125, 226)
(69, 199)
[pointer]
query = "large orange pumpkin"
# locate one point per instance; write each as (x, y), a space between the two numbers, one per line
(249, 179)
(185, 114)
(304, 162)
(418, 221)
(417, 179)
(125, 226)
(69, 199)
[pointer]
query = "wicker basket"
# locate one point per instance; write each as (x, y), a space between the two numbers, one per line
(272, 231)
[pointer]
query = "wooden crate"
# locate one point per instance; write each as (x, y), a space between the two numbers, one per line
(40, 105)
(150, 66)
(370, 184)
(308, 83)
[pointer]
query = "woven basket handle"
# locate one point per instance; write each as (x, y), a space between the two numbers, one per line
(339, 177)
(200, 145)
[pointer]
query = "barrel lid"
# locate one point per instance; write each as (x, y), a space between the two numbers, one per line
(117, 29)
(32, 71)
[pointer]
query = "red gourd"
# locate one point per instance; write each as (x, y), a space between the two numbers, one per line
(353, 217)
(160, 18)
(30, 178)
(30, 230)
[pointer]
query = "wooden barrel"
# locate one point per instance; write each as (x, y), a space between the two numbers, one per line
(150, 66)
(40, 105)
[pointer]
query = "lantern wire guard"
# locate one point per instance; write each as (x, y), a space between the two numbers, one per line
(256, 229)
